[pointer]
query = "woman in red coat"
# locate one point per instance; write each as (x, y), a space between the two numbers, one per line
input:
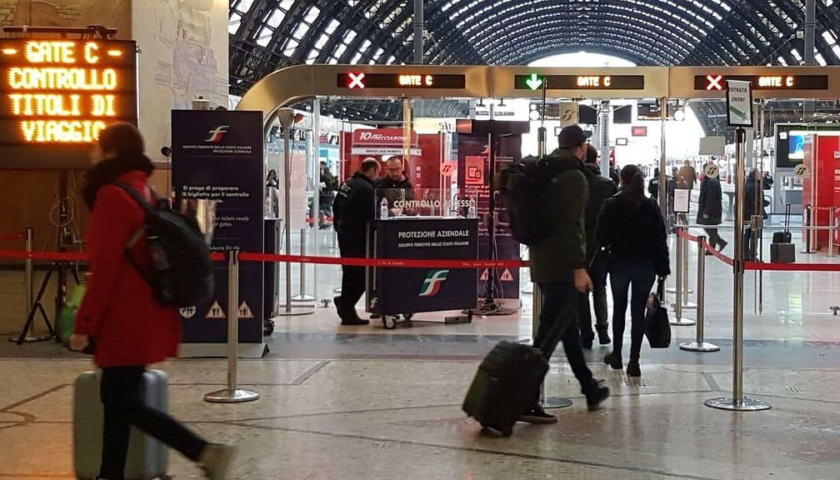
(119, 316)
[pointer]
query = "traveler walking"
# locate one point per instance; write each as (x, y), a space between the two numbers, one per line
(119, 311)
(754, 204)
(653, 185)
(633, 227)
(329, 185)
(600, 189)
(353, 208)
(558, 266)
(710, 210)
(689, 175)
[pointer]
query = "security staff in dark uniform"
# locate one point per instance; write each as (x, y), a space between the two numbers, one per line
(353, 208)
(394, 185)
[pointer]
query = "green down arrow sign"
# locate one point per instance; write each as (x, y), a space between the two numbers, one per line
(535, 82)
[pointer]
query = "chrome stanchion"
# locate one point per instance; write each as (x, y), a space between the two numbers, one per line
(807, 231)
(536, 309)
(678, 319)
(686, 303)
(700, 344)
(833, 225)
(302, 296)
(738, 402)
(232, 394)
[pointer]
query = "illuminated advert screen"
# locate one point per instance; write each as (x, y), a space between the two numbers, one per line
(57, 95)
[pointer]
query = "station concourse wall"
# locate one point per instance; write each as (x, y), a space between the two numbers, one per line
(184, 54)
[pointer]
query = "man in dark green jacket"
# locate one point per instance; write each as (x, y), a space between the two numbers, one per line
(558, 266)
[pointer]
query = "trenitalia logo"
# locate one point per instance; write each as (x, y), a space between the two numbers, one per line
(216, 135)
(432, 283)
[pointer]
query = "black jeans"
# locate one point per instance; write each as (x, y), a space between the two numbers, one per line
(598, 273)
(714, 238)
(352, 278)
(122, 397)
(639, 278)
(558, 322)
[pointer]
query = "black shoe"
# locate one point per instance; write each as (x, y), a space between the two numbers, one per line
(614, 360)
(633, 369)
(354, 321)
(587, 343)
(603, 336)
(537, 416)
(595, 395)
(708, 253)
(722, 245)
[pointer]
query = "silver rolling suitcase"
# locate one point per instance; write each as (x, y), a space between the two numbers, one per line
(147, 457)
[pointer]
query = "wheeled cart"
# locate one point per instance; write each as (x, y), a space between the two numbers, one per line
(397, 293)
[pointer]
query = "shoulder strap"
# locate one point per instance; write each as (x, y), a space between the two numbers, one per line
(144, 204)
(127, 253)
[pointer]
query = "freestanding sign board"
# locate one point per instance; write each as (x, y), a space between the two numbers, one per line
(218, 156)
(739, 103)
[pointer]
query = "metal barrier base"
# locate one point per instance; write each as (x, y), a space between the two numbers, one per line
(682, 322)
(699, 347)
(552, 403)
(295, 311)
(689, 306)
(303, 298)
(743, 405)
(31, 338)
(674, 290)
(232, 396)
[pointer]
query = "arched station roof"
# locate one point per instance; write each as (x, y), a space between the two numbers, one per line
(269, 34)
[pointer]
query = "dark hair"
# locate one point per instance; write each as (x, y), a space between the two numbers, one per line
(122, 138)
(634, 183)
(591, 154)
(369, 164)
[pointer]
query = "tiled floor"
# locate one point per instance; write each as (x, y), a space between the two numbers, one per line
(366, 403)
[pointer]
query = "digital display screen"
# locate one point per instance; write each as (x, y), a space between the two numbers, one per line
(362, 81)
(717, 83)
(579, 82)
(790, 142)
(58, 95)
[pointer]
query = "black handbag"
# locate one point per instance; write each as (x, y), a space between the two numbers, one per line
(657, 325)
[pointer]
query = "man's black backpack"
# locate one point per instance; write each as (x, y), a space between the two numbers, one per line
(181, 273)
(524, 187)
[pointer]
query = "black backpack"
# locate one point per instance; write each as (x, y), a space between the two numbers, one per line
(524, 187)
(181, 270)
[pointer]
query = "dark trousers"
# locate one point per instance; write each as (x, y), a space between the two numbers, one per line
(599, 300)
(558, 322)
(122, 397)
(352, 278)
(636, 281)
(714, 238)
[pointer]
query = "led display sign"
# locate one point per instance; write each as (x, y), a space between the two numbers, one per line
(580, 82)
(58, 95)
(362, 81)
(717, 83)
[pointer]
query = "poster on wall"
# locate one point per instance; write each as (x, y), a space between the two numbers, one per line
(217, 156)
(473, 183)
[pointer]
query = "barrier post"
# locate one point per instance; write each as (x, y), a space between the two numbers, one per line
(29, 269)
(678, 319)
(536, 309)
(832, 226)
(738, 402)
(302, 296)
(700, 344)
(686, 303)
(232, 394)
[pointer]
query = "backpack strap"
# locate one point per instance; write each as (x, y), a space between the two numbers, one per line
(147, 209)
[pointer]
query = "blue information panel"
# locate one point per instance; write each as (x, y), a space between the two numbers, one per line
(218, 156)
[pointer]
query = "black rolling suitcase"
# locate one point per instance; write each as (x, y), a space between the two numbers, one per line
(782, 250)
(505, 386)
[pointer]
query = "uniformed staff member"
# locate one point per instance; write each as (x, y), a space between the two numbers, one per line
(394, 185)
(353, 208)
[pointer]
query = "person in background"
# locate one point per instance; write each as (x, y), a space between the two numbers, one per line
(119, 311)
(614, 175)
(653, 185)
(271, 180)
(329, 185)
(558, 266)
(754, 204)
(710, 210)
(689, 175)
(634, 228)
(394, 185)
(600, 189)
(353, 208)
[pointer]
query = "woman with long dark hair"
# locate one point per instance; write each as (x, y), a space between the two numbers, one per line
(631, 227)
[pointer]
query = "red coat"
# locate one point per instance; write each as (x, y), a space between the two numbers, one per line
(118, 309)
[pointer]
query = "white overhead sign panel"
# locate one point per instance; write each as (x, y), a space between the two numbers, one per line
(739, 103)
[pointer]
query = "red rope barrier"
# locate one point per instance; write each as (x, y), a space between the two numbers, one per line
(792, 267)
(53, 256)
(687, 236)
(383, 262)
(12, 236)
(723, 258)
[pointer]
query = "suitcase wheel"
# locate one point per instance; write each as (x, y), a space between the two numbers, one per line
(389, 322)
